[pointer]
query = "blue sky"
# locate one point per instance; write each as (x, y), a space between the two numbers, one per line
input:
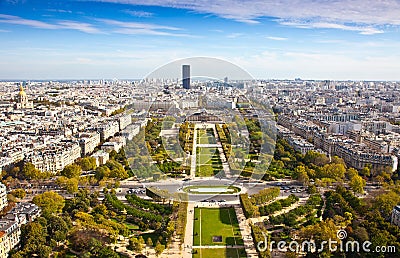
(282, 39)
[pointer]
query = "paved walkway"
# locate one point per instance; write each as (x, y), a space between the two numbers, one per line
(245, 230)
(193, 156)
(188, 241)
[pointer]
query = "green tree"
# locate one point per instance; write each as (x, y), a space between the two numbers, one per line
(19, 193)
(30, 171)
(351, 172)
(149, 242)
(69, 184)
(102, 172)
(366, 171)
(159, 248)
(33, 240)
(57, 228)
(334, 170)
(100, 209)
(72, 185)
(384, 203)
(87, 163)
(322, 231)
(357, 184)
(71, 171)
(135, 245)
(316, 158)
(50, 202)
(116, 170)
(301, 175)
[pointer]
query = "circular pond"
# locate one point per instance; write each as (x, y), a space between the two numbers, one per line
(204, 189)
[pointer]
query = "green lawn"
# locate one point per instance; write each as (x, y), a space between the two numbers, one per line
(205, 137)
(208, 162)
(128, 225)
(207, 151)
(207, 170)
(220, 253)
(208, 159)
(216, 222)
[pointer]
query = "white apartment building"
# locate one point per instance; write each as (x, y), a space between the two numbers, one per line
(124, 121)
(55, 158)
(88, 142)
(130, 131)
(10, 225)
(10, 233)
(3, 196)
(101, 157)
(108, 130)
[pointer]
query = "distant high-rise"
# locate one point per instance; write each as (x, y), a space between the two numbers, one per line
(186, 76)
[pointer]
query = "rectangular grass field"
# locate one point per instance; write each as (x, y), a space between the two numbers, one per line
(204, 137)
(219, 253)
(215, 222)
(208, 162)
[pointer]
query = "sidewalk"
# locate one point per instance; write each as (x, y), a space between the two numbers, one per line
(188, 241)
(245, 230)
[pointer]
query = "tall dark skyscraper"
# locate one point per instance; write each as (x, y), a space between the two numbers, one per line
(186, 76)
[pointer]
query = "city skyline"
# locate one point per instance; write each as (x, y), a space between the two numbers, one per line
(342, 40)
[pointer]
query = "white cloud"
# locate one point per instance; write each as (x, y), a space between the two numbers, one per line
(140, 14)
(369, 13)
(129, 31)
(234, 35)
(132, 28)
(138, 25)
(365, 30)
(11, 19)
(276, 38)
(83, 27)
(80, 26)
(138, 28)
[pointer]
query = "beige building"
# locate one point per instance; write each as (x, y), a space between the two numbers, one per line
(55, 158)
(3, 196)
(10, 233)
(101, 157)
(88, 142)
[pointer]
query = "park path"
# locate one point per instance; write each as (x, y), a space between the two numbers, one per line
(194, 153)
(218, 145)
(225, 165)
(188, 241)
(245, 230)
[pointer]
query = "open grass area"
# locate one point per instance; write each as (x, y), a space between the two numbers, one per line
(208, 162)
(214, 222)
(220, 253)
(205, 137)
(207, 170)
(128, 225)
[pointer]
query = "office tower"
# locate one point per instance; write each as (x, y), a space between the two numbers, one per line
(186, 76)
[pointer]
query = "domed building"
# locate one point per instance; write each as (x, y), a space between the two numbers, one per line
(22, 101)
